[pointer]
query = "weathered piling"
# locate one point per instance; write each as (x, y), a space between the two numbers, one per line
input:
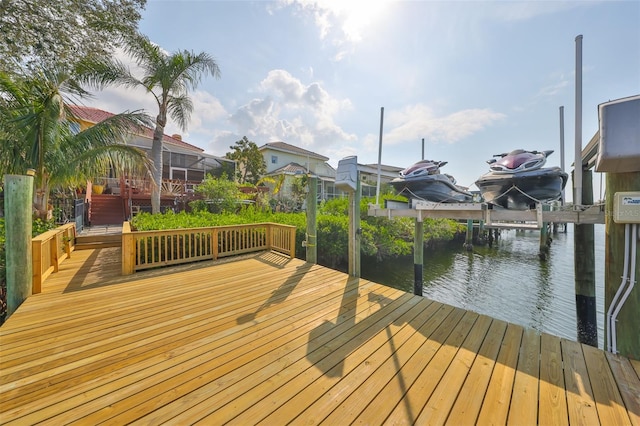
(468, 241)
(312, 206)
(418, 257)
(545, 239)
(584, 269)
(18, 196)
(354, 230)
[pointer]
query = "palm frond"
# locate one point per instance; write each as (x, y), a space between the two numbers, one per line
(180, 108)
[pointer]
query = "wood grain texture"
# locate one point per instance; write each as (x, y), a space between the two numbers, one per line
(267, 339)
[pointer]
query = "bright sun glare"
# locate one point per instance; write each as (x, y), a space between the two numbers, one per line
(357, 15)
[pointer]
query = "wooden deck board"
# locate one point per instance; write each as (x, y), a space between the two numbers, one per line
(552, 409)
(270, 340)
(524, 401)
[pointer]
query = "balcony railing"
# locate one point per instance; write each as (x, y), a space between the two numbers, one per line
(151, 249)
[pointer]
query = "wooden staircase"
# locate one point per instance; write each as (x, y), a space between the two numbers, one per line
(106, 210)
(84, 242)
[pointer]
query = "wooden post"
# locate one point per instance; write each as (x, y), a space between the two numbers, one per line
(128, 250)
(292, 242)
(354, 230)
(584, 270)
(628, 324)
(214, 243)
(18, 198)
(468, 242)
(418, 256)
(543, 247)
(312, 206)
(543, 251)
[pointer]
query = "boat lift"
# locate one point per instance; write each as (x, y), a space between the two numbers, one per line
(492, 216)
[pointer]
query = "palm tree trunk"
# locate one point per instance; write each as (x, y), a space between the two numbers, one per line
(156, 156)
(41, 201)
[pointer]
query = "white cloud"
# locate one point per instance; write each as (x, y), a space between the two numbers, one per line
(419, 121)
(207, 110)
(342, 22)
(291, 111)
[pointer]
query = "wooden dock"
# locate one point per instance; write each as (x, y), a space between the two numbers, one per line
(271, 340)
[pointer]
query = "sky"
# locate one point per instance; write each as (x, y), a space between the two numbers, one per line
(471, 78)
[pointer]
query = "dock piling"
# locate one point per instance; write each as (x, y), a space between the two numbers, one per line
(418, 257)
(584, 268)
(18, 191)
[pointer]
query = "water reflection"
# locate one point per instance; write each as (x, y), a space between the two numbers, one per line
(507, 281)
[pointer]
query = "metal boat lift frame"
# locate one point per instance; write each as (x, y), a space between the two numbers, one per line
(493, 217)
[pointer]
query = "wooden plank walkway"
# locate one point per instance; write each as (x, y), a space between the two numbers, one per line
(270, 340)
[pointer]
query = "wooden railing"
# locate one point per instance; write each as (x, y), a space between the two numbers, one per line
(49, 250)
(151, 249)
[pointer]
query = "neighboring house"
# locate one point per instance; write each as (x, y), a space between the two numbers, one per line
(184, 166)
(182, 162)
(369, 177)
(285, 161)
(288, 161)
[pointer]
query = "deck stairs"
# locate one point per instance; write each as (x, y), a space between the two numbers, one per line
(98, 241)
(106, 210)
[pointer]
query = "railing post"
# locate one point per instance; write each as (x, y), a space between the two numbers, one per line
(215, 242)
(128, 250)
(292, 236)
(36, 247)
(67, 239)
(53, 250)
(269, 232)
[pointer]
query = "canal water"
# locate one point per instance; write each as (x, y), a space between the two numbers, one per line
(507, 281)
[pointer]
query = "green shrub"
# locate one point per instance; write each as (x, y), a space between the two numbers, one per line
(380, 237)
(220, 195)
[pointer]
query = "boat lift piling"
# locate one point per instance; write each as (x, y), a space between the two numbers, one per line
(348, 180)
(584, 272)
(545, 239)
(468, 241)
(418, 256)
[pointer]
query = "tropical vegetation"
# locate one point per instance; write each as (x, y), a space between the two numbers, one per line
(382, 238)
(168, 78)
(249, 160)
(39, 130)
(31, 39)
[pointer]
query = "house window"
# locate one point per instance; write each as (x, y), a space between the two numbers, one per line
(74, 127)
(274, 159)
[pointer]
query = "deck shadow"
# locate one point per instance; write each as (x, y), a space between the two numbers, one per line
(280, 294)
(85, 278)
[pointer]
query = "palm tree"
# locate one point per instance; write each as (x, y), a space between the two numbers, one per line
(168, 77)
(37, 131)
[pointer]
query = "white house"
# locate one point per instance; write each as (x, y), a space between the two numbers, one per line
(285, 161)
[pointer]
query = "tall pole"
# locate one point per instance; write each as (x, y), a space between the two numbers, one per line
(423, 148)
(562, 146)
(379, 156)
(312, 205)
(18, 192)
(577, 175)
